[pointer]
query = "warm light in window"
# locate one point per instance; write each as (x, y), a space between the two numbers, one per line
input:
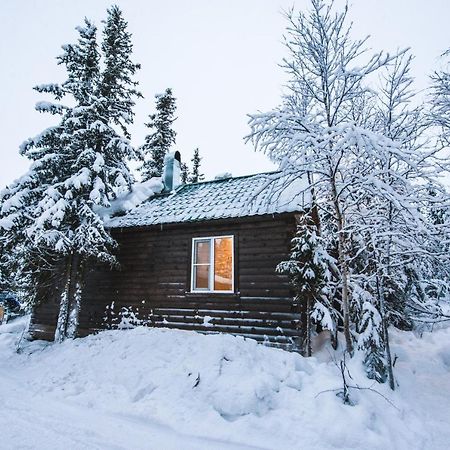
(212, 264)
(223, 264)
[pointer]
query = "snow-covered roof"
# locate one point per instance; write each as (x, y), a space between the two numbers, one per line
(252, 195)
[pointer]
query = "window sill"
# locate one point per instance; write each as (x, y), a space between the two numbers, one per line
(209, 293)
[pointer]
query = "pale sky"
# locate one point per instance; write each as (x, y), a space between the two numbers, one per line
(219, 57)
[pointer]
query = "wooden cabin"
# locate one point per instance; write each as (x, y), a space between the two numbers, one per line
(197, 257)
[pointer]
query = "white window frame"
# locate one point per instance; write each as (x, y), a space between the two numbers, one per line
(211, 265)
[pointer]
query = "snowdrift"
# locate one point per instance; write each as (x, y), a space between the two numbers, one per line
(156, 388)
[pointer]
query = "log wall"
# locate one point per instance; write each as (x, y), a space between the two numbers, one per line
(152, 285)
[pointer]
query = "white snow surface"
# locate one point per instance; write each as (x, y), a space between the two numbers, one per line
(129, 200)
(166, 389)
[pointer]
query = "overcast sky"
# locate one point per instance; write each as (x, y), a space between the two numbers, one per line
(219, 57)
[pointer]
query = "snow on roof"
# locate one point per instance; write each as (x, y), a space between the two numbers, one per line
(252, 195)
(125, 202)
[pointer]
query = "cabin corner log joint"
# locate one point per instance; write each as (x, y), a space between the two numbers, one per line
(201, 257)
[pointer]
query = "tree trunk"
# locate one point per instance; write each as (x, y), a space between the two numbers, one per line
(334, 338)
(60, 332)
(70, 299)
(344, 270)
(386, 337)
(308, 326)
(74, 299)
(314, 210)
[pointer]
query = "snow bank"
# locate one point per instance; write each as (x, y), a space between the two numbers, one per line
(156, 388)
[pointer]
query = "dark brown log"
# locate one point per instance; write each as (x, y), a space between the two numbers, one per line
(154, 281)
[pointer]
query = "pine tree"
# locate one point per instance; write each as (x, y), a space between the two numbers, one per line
(5, 275)
(22, 262)
(309, 274)
(371, 338)
(184, 173)
(195, 175)
(158, 143)
(49, 215)
(117, 87)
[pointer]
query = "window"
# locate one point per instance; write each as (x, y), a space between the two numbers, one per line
(212, 264)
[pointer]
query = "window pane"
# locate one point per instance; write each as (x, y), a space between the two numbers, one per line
(201, 277)
(202, 252)
(223, 264)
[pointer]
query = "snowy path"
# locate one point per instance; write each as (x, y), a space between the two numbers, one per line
(161, 389)
(36, 422)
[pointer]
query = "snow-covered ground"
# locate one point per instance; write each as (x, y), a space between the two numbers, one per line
(164, 389)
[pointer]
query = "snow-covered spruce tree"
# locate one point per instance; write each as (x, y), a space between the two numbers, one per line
(158, 143)
(117, 88)
(371, 338)
(23, 265)
(79, 165)
(195, 175)
(309, 274)
(5, 275)
(184, 173)
(98, 154)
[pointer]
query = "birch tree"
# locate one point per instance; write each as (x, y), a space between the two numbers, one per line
(366, 162)
(327, 72)
(440, 100)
